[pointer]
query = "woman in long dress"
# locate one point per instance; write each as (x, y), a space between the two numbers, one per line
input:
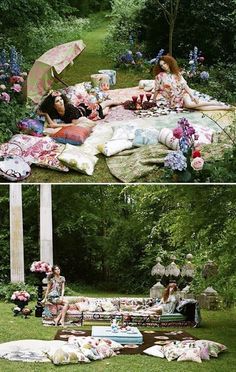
(170, 84)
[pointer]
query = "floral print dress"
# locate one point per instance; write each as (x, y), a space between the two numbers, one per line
(56, 289)
(171, 87)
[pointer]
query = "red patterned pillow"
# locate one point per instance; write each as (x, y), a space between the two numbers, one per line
(72, 134)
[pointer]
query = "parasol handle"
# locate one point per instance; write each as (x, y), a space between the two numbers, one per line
(61, 81)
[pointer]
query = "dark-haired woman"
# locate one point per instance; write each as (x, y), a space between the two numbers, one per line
(57, 106)
(55, 293)
(170, 84)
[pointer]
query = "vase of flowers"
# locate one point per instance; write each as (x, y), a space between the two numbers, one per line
(20, 298)
(40, 269)
(185, 162)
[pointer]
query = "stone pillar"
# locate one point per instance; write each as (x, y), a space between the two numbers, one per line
(46, 242)
(16, 235)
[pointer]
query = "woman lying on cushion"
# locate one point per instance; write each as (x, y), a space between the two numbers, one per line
(57, 106)
(168, 302)
(170, 84)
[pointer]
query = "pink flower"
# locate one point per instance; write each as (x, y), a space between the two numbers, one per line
(16, 79)
(5, 97)
(197, 164)
(178, 132)
(16, 87)
(190, 131)
(3, 87)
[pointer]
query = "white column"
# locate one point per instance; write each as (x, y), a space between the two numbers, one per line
(46, 243)
(16, 235)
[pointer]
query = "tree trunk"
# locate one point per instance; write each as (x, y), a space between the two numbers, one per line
(171, 31)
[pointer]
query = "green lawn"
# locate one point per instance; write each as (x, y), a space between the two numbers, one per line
(218, 326)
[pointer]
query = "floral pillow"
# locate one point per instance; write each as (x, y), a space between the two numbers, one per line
(78, 160)
(214, 348)
(191, 354)
(32, 127)
(14, 168)
(67, 354)
(39, 151)
(167, 138)
(113, 147)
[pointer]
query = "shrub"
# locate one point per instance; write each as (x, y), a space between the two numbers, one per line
(40, 39)
(6, 290)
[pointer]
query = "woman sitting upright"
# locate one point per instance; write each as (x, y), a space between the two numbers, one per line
(170, 84)
(55, 293)
(168, 301)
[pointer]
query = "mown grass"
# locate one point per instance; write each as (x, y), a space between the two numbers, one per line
(217, 325)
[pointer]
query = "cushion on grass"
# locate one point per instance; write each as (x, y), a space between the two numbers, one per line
(14, 168)
(32, 127)
(114, 147)
(191, 354)
(67, 354)
(39, 151)
(155, 350)
(166, 138)
(73, 134)
(77, 159)
(214, 348)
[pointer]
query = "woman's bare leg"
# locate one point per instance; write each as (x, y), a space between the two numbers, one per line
(202, 105)
(63, 312)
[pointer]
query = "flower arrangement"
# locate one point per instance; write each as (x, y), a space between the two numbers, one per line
(41, 267)
(22, 296)
(11, 77)
(188, 159)
(196, 68)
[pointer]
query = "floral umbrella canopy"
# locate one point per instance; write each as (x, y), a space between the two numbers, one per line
(48, 66)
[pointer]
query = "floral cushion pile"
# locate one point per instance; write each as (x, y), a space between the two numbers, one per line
(83, 349)
(75, 350)
(187, 350)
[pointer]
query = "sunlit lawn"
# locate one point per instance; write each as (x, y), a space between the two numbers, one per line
(217, 325)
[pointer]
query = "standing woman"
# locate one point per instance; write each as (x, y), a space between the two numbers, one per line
(55, 293)
(170, 84)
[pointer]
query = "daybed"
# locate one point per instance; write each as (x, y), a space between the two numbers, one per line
(130, 311)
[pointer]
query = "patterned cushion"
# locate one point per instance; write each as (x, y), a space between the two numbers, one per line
(72, 134)
(32, 127)
(192, 354)
(166, 138)
(39, 151)
(67, 354)
(77, 159)
(14, 168)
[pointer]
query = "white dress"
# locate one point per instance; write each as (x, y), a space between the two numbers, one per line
(169, 306)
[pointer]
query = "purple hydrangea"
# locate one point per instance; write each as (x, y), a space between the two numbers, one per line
(176, 161)
(204, 75)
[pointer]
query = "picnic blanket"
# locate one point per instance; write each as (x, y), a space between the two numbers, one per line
(126, 166)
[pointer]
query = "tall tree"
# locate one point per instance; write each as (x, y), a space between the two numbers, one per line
(170, 9)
